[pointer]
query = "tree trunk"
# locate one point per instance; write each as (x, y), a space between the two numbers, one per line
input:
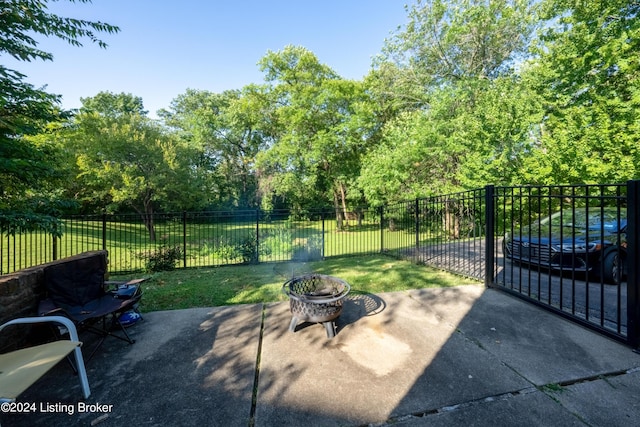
(344, 202)
(148, 222)
(146, 214)
(339, 213)
(451, 219)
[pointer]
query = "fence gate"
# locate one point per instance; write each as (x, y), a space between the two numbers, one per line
(570, 250)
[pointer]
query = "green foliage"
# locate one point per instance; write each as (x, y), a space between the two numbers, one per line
(317, 129)
(471, 135)
(278, 239)
(27, 169)
(125, 159)
(20, 19)
(408, 163)
(226, 251)
(24, 165)
(109, 104)
(588, 74)
(248, 247)
(162, 259)
(456, 115)
(12, 223)
(446, 41)
(461, 96)
(21, 22)
(223, 131)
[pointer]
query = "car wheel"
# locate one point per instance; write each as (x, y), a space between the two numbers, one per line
(613, 268)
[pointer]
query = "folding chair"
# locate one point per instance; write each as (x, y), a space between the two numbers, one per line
(22, 368)
(77, 290)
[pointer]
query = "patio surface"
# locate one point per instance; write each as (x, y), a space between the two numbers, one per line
(440, 357)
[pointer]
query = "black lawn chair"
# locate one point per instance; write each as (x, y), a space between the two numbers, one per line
(77, 290)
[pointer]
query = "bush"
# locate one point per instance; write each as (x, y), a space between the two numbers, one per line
(162, 259)
(226, 250)
(249, 249)
(277, 240)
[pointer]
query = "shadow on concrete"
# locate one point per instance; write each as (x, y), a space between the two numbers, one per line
(506, 362)
(442, 356)
(194, 368)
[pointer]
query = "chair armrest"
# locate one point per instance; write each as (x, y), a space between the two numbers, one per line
(73, 333)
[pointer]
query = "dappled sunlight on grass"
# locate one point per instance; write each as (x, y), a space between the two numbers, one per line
(208, 287)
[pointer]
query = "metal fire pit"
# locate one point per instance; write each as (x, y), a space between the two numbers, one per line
(316, 298)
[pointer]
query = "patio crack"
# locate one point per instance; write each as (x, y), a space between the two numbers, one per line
(256, 377)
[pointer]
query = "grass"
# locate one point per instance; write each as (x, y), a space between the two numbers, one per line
(204, 243)
(217, 286)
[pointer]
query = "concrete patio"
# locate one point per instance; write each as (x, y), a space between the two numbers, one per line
(448, 356)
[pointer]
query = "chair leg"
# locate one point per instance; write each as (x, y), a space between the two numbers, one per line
(124, 330)
(82, 373)
(96, 347)
(104, 333)
(55, 331)
(70, 362)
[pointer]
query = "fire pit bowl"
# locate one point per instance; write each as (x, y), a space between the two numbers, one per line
(316, 298)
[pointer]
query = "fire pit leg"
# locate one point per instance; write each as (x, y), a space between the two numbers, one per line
(331, 329)
(293, 324)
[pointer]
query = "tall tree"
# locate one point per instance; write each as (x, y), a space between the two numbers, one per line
(109, 104)
(588, 72)
(25, 169)
(123, 158)
(467, 137)
(223, 129)
(317, 138)
(455, 113)
(446, 41)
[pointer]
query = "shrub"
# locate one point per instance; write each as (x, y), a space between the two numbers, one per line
(249, 248)
(277, 240)
(162, 259)
(226, 250)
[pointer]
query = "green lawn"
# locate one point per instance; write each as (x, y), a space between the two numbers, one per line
(204, 243)
(216, 286)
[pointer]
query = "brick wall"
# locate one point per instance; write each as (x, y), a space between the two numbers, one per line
(20, 293)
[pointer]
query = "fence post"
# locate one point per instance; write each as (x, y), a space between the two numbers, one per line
(381, 229)
(322, 218)
(489, 238)
(54, 247)
(104, 231)
(184, 239)
(417, 219)
(632, 262)
(257, 254)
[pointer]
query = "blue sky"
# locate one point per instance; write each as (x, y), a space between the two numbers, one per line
(165, 47)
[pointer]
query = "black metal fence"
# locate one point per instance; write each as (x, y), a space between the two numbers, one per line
(202, 239)
(446, 232)
(442, 231)
(569, 249)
